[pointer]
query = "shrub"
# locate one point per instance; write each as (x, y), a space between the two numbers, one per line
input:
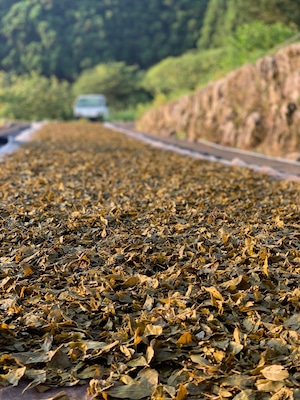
(258, 35)
(182, 74)
(34, 97)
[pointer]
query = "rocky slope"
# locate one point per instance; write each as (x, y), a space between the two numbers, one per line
(256, 107)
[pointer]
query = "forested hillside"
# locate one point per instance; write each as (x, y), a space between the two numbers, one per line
(138, 53)
(223, 17)
(64, 37)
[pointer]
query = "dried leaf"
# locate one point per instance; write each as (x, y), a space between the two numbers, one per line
(283, 394)
(275, 373)
(265, 385)
(186, 339)
(247, 394)
(143, 387)
(116, 256)
(293, 322)
(12, 377)
(182, 393)
(152, 330)
(135, 391)
(266, 267)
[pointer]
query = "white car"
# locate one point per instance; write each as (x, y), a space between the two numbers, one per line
(91, 106)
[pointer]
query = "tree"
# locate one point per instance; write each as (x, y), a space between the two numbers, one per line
(50, 36)
(143, 33)
(272, 11)
(258, 35)
(65, 37)
(220, 21)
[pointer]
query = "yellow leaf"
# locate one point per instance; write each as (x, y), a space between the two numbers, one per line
(279, 222)
(185, 339)
(236, 335)
(131, 281)
(215, 294)
(137, 340)
(13, 376)
(266, 267)
(219, 355)
(182, 393)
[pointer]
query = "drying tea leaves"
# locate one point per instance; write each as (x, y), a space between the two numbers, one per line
(146, 274)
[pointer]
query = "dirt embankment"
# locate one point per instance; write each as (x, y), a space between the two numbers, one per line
(256, 107)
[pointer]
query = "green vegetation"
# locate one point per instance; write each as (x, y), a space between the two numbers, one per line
(221, 20)
(185, 73)
(257, 35)
(138, 54)
(34, 97)
(177, 75)
(272, 11)
(63, 38)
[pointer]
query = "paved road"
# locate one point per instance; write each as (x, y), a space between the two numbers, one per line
(215, 152)
(11, 130)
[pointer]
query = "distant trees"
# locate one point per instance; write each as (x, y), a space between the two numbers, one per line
(272, 11)
(53, 37)
(221, 20)
(258, 35)
(63, 38)
(133, 51)
(223, 17)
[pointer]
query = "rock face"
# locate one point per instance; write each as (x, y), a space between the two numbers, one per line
(256, 107)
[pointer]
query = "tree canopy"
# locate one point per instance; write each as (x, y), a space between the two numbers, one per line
(63, 38)
(223, 17)
(136, 52)
(272, 11)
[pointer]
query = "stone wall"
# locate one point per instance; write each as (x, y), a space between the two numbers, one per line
(256, 107)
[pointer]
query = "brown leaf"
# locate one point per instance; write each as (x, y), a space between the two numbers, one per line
(275, 373)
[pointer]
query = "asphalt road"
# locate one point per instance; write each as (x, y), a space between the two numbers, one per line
(11, 130)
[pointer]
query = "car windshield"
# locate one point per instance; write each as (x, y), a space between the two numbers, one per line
(90, 102)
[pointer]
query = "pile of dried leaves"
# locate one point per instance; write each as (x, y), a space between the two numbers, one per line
(145, 273)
